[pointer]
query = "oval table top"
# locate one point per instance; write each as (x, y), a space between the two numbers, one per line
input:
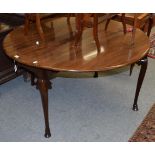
(58, 52)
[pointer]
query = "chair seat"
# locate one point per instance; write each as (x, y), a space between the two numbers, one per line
(142, 18)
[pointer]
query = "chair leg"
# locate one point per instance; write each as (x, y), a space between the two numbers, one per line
(26, 24)
(107, 24)
(134, 29)
(33, 79)
(95, 74)
(26, 76)
(131, 68)
(39, 27)
(123, 22)
(150, 26)
(79, 28)
(95, 32)
(68, 18)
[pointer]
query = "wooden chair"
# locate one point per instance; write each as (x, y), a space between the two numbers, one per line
(85, 20)
(82, 21)
(142, 21)
(108, 17)
(111, 16)
(36, 18)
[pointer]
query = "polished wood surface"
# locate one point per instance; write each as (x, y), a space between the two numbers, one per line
(59, 53)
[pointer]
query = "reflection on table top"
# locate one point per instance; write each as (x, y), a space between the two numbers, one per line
(59, 53)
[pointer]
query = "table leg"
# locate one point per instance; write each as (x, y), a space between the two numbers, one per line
(143, 62)
(39, 27)
(131, 68)
(32, 79)
(95, 74)
(43, 84)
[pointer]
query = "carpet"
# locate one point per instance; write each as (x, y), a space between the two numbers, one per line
(146, 131)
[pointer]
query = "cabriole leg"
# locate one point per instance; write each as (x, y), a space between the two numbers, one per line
(43, 85)
(143, 62)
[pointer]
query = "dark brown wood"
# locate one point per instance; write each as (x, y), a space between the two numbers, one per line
(27, 23)
(107, 23)
(143, 62)
(150, 24)
(79, 28)
(31, 17)
(108, 18)
(111, 16)
(123, 22)
(95, 74)
(39, 27)
(131, 68)
(134, 27)
(83, 21)
(44, 84)
(116, 50)
(58, 53)
(95, 31)
(33, 79)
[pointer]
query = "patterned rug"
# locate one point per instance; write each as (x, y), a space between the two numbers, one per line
(151, 52)
(146, 131)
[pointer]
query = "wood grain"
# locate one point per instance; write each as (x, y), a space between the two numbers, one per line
(58, 52)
